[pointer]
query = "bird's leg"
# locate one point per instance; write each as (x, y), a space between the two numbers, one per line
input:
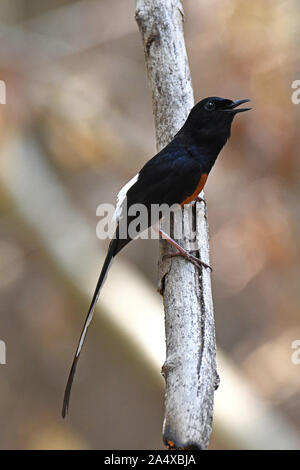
(182, 252)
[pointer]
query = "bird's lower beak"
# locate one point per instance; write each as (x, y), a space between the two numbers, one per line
(232, 107)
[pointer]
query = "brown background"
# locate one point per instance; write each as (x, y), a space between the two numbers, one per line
(76, 83)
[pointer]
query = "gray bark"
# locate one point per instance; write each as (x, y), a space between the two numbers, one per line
(190, 366)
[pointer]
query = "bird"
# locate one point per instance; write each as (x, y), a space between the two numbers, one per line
(175, 175)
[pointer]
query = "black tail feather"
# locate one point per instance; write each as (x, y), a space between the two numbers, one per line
(115, 246)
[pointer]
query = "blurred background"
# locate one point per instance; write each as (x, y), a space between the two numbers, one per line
(77, 124)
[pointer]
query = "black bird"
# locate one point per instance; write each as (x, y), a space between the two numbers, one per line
(176, 175)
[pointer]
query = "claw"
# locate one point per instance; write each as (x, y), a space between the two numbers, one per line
(182, 252)
(200, 199)
(190, 257)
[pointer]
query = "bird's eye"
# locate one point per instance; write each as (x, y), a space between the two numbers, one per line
(210, 106)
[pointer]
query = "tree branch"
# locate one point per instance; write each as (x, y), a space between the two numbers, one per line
(190, 366)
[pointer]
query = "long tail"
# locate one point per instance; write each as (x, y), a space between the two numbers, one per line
(115, 246)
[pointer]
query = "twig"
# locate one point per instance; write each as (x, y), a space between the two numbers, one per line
(190, 366)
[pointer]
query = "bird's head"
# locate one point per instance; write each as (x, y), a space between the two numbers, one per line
(212, 117)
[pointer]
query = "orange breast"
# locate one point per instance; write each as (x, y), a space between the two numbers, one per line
(198, 190)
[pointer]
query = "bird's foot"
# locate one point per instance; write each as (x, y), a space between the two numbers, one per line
(188, 255)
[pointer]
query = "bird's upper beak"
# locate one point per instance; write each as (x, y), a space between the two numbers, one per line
(231, 108)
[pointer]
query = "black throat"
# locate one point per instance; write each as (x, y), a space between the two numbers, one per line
(203, 146)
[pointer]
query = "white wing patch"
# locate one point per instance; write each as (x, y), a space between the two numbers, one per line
(122, 196)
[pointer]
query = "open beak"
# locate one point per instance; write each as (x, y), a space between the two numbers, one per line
(232, 107)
